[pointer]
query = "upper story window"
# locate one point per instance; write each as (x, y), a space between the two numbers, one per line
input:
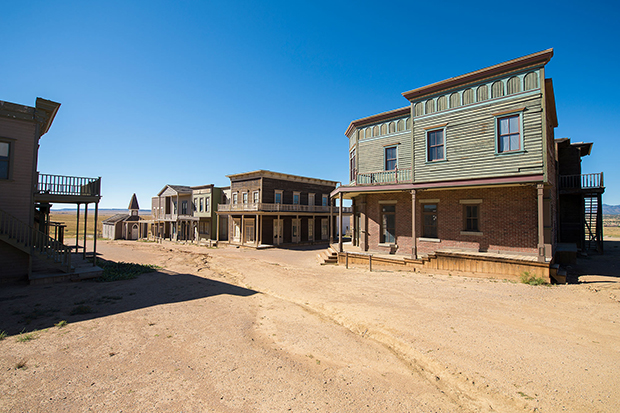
(202, 205)
(352, 165)
(296, 198)
(207, 204)
(174, 207)
(509, 133)
(278, 197)
(324, 200)
(390, 158)
(255, 197)
(5, 152)
(435, 145)
(245, 197)
(184, 207)
(235, 198)
(310, 199)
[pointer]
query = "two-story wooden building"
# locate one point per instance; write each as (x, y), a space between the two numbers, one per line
(31, 246)
(183, 213)
(271, 208)
(469, 165)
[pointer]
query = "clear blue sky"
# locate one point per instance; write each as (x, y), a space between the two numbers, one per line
(186, 92)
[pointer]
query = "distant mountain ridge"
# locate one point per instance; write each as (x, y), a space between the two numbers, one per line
(103, 210)
(611, 209)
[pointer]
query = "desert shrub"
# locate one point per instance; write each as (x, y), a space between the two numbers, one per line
(531, 279)
(117, 271)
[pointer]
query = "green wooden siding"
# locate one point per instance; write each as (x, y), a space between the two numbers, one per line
(371, 152)
(470, 142)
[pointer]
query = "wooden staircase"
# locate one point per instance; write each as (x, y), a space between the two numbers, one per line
(329, 256)
(33, 242)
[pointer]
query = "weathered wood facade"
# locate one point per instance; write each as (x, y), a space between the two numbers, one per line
(29, 242)
(469, 165)
(270, 209)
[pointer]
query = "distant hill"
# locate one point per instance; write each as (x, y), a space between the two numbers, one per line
(611, 209)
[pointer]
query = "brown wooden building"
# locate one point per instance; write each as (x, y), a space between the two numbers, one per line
(270, 209)
(31, 246)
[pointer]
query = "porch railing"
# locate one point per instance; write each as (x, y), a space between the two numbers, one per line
(394, 176)
(68, 185)
(32, 240)
(265, 207)
(583, 181)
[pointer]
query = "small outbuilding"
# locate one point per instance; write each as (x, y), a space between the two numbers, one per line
(126, 226)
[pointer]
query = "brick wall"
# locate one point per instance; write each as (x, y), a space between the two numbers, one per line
(508, 220)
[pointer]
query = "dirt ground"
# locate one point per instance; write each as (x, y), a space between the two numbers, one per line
(239, 330)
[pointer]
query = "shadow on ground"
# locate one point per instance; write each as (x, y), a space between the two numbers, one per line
(598, 268)
(25, 308)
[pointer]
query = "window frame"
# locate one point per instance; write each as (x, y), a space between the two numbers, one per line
(235, 198)
(8, 159)
(255, 197)
(324, 201)
(469, 203)
(428, 132)
(207, 204)
(386, 160)
(506, 115)
(432, 234)
(296, 198)
(275, 196)
(352, 165)
(385, 229)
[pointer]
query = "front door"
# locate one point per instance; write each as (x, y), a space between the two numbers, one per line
(249, 231)
(324, 229)
(277, 231)
(296, 230)
(236, 230)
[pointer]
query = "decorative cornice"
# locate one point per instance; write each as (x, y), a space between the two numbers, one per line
(396, 113)
(541, 58)
(262, 173)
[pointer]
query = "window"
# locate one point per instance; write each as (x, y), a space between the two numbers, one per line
(324, 200)
(435, 145)
(430, 220)
(195, 204)
(202, 206)
(390, 158)
(235, 198)
(470, 218)
(310, 199)
(245, 197)
(184, 207)
(509, 134)
(388, 224)
(352, 166)
(5, 153)
(278, 197)
(255, 197)
(207, 204)
(296, 198)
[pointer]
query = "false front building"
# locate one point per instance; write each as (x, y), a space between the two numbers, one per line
(270, 208)
(469, 165)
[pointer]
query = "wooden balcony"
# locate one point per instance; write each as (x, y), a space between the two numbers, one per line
(264, 207)
(67, 189)
(590, 183)
(395, 176)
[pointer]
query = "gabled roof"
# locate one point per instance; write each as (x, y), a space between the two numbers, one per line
(180, 189)
(540, 58)
(133, 204)
(116, 218)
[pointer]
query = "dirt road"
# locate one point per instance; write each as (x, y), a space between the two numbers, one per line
(239, 330)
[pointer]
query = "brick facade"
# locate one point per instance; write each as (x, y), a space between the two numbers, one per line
(508, 218)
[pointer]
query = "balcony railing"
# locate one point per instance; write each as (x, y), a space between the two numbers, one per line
(383, 177)
(583, 181)
(264, 207)
(68, 185)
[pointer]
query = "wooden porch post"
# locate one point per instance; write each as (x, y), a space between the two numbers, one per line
(256, 231)
(414, 252)
(331, 224)
(77, 229)
(260, 231)
(541, 224)
(340, 224)
(85, 228)
(95, 237)
(217, 228)
(242, 240)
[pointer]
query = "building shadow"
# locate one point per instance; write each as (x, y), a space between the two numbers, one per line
(597, 268)
(26, 308)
